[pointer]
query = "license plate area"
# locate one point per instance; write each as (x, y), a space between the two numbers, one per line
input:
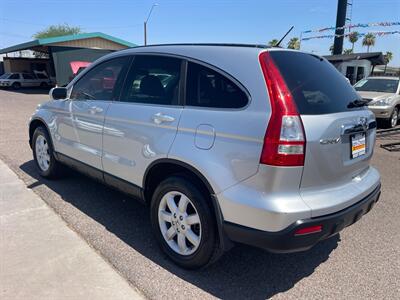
(358, 145)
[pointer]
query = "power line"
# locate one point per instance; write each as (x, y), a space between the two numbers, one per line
(83, 27)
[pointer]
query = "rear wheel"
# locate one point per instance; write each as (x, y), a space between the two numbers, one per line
(43, 154)
(183, 223)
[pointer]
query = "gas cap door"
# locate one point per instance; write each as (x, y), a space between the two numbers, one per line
(205, 136)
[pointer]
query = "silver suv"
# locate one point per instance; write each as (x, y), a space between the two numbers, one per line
(383, 97)
(226, 143)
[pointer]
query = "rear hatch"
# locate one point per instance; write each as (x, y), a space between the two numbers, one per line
(339, 130)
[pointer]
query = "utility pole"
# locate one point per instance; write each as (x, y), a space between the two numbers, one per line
(145, 23)
(340, 22)
(145, 33)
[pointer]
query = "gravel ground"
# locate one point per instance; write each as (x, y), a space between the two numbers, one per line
(362, 262)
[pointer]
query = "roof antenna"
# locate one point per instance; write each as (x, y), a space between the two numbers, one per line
(280, 41)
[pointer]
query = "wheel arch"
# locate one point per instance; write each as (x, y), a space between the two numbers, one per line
(162, 168)
(168, 166)
(35, 123)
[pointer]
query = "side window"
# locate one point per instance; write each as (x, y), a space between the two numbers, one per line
(153, 80)
(208, 88)
(14, 76)
(41, 76)
(27, 76)
(101, 82)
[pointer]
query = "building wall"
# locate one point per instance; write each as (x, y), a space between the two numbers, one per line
(92, 43)
(361, 69)
(62, 56)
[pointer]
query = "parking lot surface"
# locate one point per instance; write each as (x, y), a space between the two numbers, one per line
(362, 262)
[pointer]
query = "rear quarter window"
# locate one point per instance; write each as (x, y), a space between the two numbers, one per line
(317, 87)
(208, 88)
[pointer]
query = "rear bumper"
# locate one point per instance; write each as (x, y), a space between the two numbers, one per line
(285, 241)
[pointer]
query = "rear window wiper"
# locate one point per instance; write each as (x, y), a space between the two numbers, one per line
(357, 103)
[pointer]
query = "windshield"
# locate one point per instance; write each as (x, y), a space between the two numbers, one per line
(5, 75)
(377, 85)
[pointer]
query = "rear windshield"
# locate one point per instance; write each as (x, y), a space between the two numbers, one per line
(317, 87)
(377, 85)
(41, 76)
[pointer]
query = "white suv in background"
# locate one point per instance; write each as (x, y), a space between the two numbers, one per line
(225, 143)
(18, 80)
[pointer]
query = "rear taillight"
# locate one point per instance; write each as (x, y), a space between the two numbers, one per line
(284, 141)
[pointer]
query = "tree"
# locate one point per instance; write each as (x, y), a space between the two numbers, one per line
(368, 40)
(273, 42)
(353, 38)
(57, 30)
(294, 43)
(387, 57)
(347, 51)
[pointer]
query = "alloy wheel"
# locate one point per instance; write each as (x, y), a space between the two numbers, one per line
(394, 119)
(42, 153)
(179, 223)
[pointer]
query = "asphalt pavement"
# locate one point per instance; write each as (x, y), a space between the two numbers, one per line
(362, 262)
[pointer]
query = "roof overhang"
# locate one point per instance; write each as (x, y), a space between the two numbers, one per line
(376, 58)
(41, 45)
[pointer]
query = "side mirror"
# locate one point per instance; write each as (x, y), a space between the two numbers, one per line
(58, 93)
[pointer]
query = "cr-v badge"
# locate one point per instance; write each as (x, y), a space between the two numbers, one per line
(329, 141)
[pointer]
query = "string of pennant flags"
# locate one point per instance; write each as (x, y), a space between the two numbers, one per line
(351, 26)
(376, 33)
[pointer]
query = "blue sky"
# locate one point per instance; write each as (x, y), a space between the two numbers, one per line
(198, 21)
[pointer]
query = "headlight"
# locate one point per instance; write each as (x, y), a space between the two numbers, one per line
(383, 102)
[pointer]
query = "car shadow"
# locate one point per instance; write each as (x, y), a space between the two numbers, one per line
(243, 272)
(30, 91)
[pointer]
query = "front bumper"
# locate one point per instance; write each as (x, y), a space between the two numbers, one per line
(381, 112)
(285, 241)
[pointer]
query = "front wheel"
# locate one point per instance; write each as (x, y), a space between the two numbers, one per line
(394, 118)
(43, 154)
(183, 223)
(16, 86)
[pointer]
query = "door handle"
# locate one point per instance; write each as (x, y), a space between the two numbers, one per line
(159, 118)
(94, 110)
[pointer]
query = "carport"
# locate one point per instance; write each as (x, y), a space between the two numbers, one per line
(58, 56)
(356, 66)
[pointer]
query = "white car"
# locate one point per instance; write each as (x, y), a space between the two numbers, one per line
(18, 80)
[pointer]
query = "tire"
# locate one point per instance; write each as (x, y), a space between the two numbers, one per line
(43, 150)
(393, 120)
(197, 256)
(16, 86)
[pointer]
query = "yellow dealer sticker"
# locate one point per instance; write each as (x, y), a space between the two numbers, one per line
(358, 147)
